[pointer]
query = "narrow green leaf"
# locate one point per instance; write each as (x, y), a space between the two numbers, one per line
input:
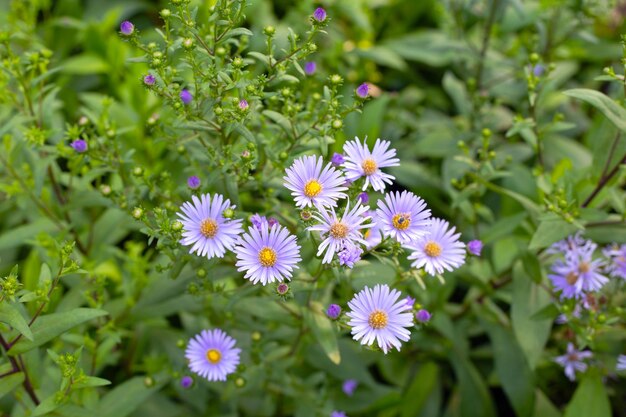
(10, 382)
(10, 315)
(126, 397)
(590, 399)
(552, 228)
(279, 119)
(420, 390)
(90, 381)
(613, 111)
(323, 331)
(50, 326)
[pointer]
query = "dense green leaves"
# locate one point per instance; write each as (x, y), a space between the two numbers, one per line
(609, 108)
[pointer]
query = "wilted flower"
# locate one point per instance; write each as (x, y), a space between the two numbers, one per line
(361, 162)
(475, 247)
(310, 67)
(79, 145)
(439, 249)
(193, 182)
(312, 185)
(349, 386)
(185, 96)
(127, 28)
(333, 311)
(572, 361)
(212, 355)
(363, 90)
(319, 14)
(403, 216)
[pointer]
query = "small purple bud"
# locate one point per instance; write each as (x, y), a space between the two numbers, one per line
(337, 159)
(257, 220)
(475, 247)
(349, 385)
(282, 288)
(127, 28)
(193, 182)
(243, 104)
(310, 68)
(409, 301)
(272, 221)
(79, 145)
(363, 90)
(149, 79)
(319, 14)
(538, 70)
(186, 382)
(423, 316)
(186, 96)
(364, 198)
(333, 311)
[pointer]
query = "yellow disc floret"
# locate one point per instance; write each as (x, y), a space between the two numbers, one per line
(378, 320)
(339, 230)
(267, 257)
(213, 355)
(401, 221)
(209, 228)
(432, 249)
(312, 188)
(369, 166)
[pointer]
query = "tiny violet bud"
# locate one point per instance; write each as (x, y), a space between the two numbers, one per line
(364, 198)
(409, 301)
(282, 289)
(310, 67)
(186, 381)
(272, 221)
(363, 90)
(127, 28)
(349, 386)
(319, 14)
(79, 145)
(185, 96)
(337, 159)
(193, 182)
(333, 311)
(149, 79)
(475, 247)
(243, 104)
(538, 70)
(423, 316)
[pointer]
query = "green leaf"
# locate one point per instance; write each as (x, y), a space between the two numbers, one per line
(552, 228)
(590, 399)
(420, 389)
(528, 299)
(10, 315)
(429, 47)
(10, 382)
(85, 64)
(90, 381)
(126, 397)
(383, 56)
(279, 119)
(613, 111)
(50, 326)
(323, 330)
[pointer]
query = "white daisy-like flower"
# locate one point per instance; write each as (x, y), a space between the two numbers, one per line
(440, 249)
(361, 162)
(313, 186)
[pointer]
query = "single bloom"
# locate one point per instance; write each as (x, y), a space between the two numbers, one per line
(185, 96)
(379, 315)
(127, 28)
(350, 255)
(149, 79)
(333, 311)
(193, 182)
(572, 361)
(578, 272)
(212, 355)
(267, 254)
(339, 232)
(475, 247)
(186, 381)
(621, 363)
(312, 185)
(349, 386)
(319, 14)
(310, 67)
(205, 227)
(361, 162)
(422, 315)
(616, 265)
(363, 90)
(79, 145)
(403, 216)
(439, 250)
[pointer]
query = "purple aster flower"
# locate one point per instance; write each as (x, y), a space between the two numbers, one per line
(349, 386)
(79, 145)
(212, 355)
(410, 301)
(319, 14)
(621, 363)
(571, 243)
(403, 216)
(193, 182)
(360, 162)
(475, 247)
(363, 90)
(127, 28)
(572, 361)
(578, 272)
(310, 67)
(364, 197)
(268, 254)
(257, 220)
(439, 250)
(339, 233)
(185, 96)
(312, 185)
(333, 311)
(186, 381)
(423, 316)
(338, 414)
(205, 227)
(616, 255)
(243, 104)
(378, 315)
(337, 159)
(149, 79)
(350, 255)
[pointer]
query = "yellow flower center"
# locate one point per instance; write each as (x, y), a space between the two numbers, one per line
(571, 278)
(369, 166)
(209, 228)
(312, 188)
(267, 256)
(213, 355)
(378, 320)
(584, 267)
(432, 249)
(367, 234)
(339, 230)
(401, 221)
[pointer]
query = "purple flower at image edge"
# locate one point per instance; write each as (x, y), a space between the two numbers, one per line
(338, 414)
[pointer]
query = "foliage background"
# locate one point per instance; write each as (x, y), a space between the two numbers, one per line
(444, 72)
